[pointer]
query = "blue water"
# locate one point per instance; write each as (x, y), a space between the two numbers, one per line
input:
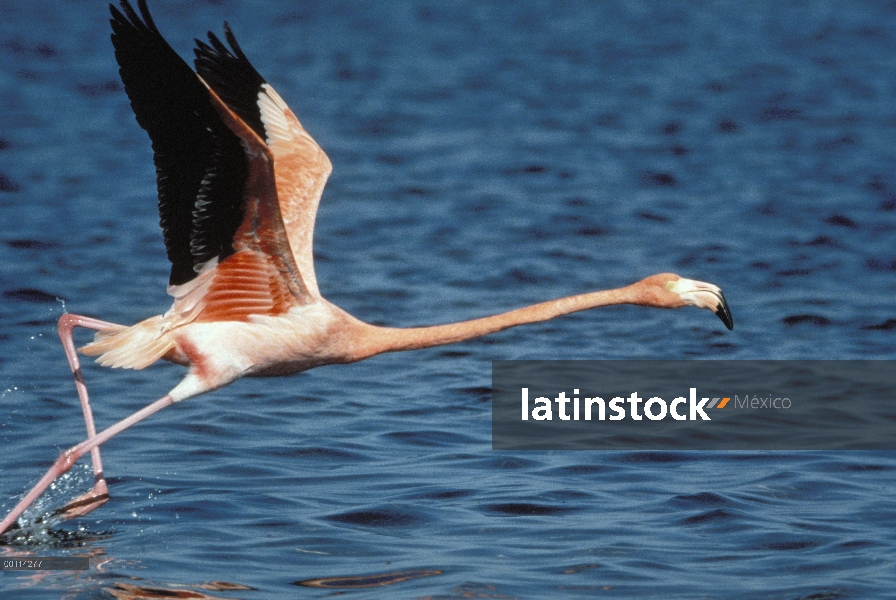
(487, 155)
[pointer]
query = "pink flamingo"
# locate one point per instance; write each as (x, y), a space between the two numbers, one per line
(239, 183)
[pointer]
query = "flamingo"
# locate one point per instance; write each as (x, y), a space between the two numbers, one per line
(239, 181)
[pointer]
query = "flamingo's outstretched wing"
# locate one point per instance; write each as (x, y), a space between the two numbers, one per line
(223, 229)
(300, 166)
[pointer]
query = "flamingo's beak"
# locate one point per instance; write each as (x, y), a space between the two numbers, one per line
(704, 295)
(722, 311)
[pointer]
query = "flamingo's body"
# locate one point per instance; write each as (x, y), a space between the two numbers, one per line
(239, 183)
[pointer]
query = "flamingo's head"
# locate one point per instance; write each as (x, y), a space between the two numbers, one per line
(702, 295)
(668, 290)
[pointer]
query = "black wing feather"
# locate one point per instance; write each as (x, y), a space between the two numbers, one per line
(201, 166)
(232, 76)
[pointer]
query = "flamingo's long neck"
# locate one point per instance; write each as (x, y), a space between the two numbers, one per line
(387, 339)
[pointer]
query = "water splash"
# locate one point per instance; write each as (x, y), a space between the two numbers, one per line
(37, 522)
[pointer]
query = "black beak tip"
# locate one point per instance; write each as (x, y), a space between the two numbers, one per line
(724, 313)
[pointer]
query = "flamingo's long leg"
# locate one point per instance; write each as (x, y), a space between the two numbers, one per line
(99, 495)
(70, 456)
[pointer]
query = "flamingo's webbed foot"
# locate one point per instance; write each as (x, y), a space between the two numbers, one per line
(85, 504)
